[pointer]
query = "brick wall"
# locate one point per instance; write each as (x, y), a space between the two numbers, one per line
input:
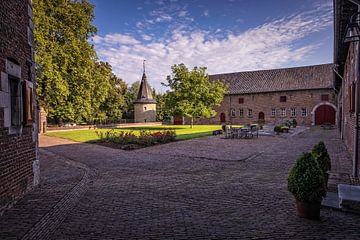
(18, 155)
(348, 117)
(265, 102)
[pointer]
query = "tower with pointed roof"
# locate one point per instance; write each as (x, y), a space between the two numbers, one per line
(145, 105)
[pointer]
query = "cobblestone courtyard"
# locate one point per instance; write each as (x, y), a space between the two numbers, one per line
(205, 188)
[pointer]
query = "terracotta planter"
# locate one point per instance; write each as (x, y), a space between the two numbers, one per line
(326, 175)
(309, 210)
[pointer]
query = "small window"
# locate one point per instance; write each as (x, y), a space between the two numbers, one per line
(241, 100)
(282, 98)
(15, 101)
(303, 112)
(273, 112)
(293, 112)
(324, 97)
(144, 108)
(241, 112)
(250, 112)
(283, 112)
(232, 113)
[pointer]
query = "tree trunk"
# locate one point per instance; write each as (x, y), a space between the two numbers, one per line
(192, 122)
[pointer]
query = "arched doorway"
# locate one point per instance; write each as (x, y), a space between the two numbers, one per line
(222, 117)
(325, 114)
(261, 118)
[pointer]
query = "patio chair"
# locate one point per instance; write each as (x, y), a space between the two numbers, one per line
(228, 131)
(254, 131)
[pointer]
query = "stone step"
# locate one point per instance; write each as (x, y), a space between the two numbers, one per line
(349, 198)
(331, 201)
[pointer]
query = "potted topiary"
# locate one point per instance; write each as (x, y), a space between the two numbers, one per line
(277, 129)
(321, 155)
(306, 182)
(284, 129)
(294, 123)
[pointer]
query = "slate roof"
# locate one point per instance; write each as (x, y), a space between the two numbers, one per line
(275, 80)
(145, 92)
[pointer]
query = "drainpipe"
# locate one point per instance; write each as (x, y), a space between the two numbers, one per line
(356, 135)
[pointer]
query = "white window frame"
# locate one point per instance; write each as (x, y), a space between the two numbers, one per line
(283, 112)
(250, 112)
(232, 113)
(273, 112)
(241, 112)
(303, 112)
(293, 112)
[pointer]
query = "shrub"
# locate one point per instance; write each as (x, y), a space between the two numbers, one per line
(321, 155)
(306, 180)
(294, 122)
(277, 129)
(284, 128)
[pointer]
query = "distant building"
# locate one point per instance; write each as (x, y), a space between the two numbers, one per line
(19, 164)
(145, 105)
(274, 96)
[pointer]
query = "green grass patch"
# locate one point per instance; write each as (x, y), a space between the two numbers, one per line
(183, 132)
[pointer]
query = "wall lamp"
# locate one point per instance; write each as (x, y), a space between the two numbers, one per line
(353, 29)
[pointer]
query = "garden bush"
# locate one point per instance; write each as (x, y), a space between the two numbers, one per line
(277, 129)
(145, 138)
(306, 179)
(321, 155)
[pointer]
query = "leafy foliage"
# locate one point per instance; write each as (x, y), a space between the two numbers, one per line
(145, 138)
(321, 155)
(72, 85)
(192, 94)
(306, 179)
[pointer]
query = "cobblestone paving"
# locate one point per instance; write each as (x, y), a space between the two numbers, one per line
(206, 188)
(57, 179)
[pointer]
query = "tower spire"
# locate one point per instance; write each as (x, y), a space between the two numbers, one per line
(144, 65)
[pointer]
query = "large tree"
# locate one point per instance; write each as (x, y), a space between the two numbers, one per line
(72, 85)
(192, 94)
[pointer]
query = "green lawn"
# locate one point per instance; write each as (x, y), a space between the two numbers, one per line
(182, 132)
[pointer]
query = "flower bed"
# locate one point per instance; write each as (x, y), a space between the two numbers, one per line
(128, 140)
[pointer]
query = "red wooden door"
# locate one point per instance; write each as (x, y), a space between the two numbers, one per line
(222, 117)
(178, 120)
(325, 114)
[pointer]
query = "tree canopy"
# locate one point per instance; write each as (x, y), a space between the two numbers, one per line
(72, 85)
(192, 94)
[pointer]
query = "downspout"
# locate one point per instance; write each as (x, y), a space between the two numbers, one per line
(342, 102)
(356, 135)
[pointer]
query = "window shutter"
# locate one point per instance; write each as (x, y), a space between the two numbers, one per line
(28, 93)
(351, 95)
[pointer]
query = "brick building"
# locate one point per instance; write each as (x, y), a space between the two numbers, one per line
(274, 96)
(347, 60)
(19, 165)
(145, 105)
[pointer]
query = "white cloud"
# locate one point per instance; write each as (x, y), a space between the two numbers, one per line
(113, 39)
(182, 13)
(146, 37)
(163, 18)
(274, 44)
(206, 13)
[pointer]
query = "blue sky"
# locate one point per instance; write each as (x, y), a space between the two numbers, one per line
(223, 35)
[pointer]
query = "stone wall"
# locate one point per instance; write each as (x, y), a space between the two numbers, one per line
(266, 102)
(19, 167)
(144, 112)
